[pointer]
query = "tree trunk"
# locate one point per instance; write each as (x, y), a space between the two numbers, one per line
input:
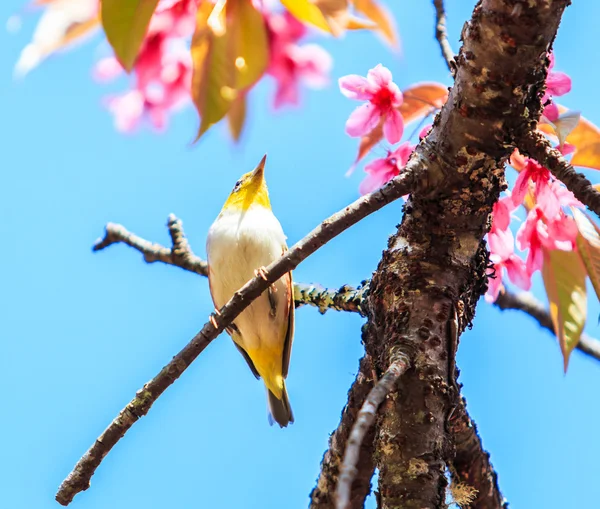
(433, 272)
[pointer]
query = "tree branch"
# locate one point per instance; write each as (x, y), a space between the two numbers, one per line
(536, 146)
(471, 462)
(413, 177)
(441, 35)
(363, 424)
(181, 255)
(322, 496)
(524, 301)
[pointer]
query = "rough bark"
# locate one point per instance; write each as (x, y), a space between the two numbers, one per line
(435, 263)
(471, 464)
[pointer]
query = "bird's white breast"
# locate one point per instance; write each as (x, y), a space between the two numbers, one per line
(238, 243)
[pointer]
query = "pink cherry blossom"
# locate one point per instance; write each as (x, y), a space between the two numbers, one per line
(501, 214)
(425, 131)
(291, 64)
(384, 98)
(548, 192)
(162, 72)
(557, 84)
(385, 169)
(502, 255)
(539, 232)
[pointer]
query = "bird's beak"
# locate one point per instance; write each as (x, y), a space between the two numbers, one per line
(259, 171)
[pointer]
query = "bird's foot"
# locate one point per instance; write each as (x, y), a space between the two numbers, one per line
(213, 320)
(262, 272)
(217, 312)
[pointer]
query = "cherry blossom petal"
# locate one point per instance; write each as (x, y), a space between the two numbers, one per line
(393, 127)
(558, 83)
(521, 187)
(517, 272)
(354, 86)
(363, 120)
(380, 76)
(494, 284)
(551, 112)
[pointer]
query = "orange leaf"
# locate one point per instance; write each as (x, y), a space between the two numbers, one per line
(356, 23)
(564, 278)
(585, 137)
(381, 17)
(336, 13)
(421, 99)
(369, 141)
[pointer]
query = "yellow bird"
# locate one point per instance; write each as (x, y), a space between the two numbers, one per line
(245, 237)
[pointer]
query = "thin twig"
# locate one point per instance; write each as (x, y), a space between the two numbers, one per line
(322, 496)
(346, 298)
(441, 34)
(471, 462)
(363, 423)
(524, 301)
(536, 146)
(180, 254)
(412, 178)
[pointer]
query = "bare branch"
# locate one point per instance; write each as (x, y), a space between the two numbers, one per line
(413, 177)
(526, 302)
(363, 423)
(181, 255)
(322, 496)
(441, 35)
(471, 464)
(536, 146)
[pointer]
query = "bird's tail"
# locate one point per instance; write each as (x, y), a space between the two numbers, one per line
(280, 410)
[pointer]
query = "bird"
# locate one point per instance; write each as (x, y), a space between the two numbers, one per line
(245, 238)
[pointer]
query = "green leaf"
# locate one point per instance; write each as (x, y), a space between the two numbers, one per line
(588, 247)
(249, 44)
(213, 71)
(564, 279)
(125, 23)
(236, 117)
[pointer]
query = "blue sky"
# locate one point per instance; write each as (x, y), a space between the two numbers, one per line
(81, 332)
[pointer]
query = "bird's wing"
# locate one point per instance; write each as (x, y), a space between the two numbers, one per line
(289, 337)
(247, 357)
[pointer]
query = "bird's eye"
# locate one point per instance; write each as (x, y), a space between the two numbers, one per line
(237, 185)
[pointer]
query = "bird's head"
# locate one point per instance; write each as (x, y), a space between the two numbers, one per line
(250, 189)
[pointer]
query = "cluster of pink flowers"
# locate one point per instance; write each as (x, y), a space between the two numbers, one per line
(291, 64)
(163, 69)
(383, 98)
(547, 226)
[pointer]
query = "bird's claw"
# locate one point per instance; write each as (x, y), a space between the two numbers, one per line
(262, 272)
(213, 320)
